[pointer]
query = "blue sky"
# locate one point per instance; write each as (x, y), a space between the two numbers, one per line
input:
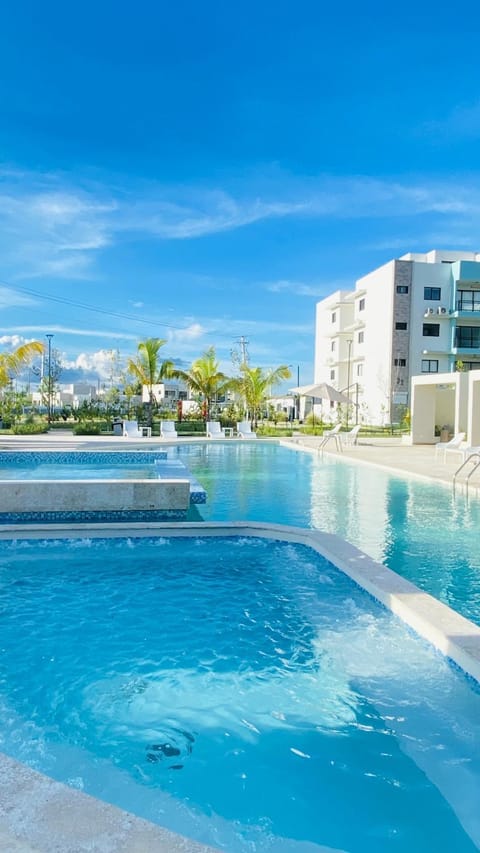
(206, 171)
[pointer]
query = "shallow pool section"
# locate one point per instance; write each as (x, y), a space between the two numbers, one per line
(240, 691)
(91, 486)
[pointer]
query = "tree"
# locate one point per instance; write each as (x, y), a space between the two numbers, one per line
(148, 368)
(11, 363)
(206, 379)
(255, 386)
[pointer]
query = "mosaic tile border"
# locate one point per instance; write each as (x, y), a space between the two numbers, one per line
(92, 516)
(25, 458)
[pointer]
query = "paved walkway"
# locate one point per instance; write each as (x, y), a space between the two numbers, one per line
(418, 460)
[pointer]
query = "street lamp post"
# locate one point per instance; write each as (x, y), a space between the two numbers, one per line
(349, 344)
(298, 395)
(49, 387)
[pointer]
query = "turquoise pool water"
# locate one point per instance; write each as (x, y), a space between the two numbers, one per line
(81, 472)
(416, 528)
(249, 695)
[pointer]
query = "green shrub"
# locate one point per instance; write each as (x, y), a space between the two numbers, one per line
(30, 428)
(86, 429)
(277, 432)
(196, 427)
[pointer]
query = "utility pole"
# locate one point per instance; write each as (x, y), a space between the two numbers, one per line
(243, 343)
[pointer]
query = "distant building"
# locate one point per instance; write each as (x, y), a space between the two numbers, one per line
(417, 314)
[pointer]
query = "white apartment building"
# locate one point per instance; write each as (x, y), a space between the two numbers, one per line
(418, 314)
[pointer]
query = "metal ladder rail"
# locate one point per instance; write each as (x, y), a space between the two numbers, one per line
(462, 466)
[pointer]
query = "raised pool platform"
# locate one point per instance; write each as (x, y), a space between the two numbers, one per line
(48, 487)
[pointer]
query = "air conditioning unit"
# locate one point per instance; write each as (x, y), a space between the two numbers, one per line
(430, 311)
(441, 310)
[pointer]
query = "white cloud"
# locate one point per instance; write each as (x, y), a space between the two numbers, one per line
(102, 363)
(87, 333)
(14, 341)
(190, 333)
(300, 288)
(51, 226)
(10, 299)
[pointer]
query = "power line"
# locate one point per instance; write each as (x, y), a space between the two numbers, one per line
(117, 314)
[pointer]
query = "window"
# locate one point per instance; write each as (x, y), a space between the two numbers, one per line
(467, 337)
(359, 369)
(400, 362)
(429, 365)
(401, 327)
(361, 305)
(431, 330)
(334, 317)
(468, 300)
(333, 346)
(332, 374)
(434, 293)
(402, 288)
(361, 337)
(470, 365)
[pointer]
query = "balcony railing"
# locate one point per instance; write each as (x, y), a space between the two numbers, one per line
(468, 303)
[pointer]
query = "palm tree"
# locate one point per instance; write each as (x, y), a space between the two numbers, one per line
(13, 362)
(148, 369)
(255, 386)
(206, 379)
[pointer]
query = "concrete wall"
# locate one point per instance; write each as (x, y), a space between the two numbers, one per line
(93, 495)
(422, 346)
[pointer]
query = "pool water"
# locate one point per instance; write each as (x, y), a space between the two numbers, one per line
(418, 529)
(83, 471)
(250, 696)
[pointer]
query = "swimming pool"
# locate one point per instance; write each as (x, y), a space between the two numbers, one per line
(418, 529)
(250, 695)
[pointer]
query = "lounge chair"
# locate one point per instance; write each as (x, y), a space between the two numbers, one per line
(244, 430)
(167, 429)
(329, 434)
(449, 446)
(214, 430)
(131, 430)
(351, 438)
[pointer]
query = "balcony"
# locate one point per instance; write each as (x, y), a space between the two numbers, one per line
(467, 304)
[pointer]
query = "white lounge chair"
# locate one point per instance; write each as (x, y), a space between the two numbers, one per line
(448, 446)
(214, 430)
(167, 429)
(350, 438)
(329, 434)
(244, 430)
(131, 430)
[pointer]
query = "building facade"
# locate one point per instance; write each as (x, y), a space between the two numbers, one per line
(417, 314)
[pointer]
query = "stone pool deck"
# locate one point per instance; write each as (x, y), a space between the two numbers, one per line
(389, 453)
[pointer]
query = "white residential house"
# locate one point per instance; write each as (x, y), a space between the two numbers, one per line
(417, 314)
(166, 392)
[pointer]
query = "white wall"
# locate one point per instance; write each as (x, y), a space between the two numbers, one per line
(377, 346)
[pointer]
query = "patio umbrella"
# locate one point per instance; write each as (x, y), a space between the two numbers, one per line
(320, 391)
